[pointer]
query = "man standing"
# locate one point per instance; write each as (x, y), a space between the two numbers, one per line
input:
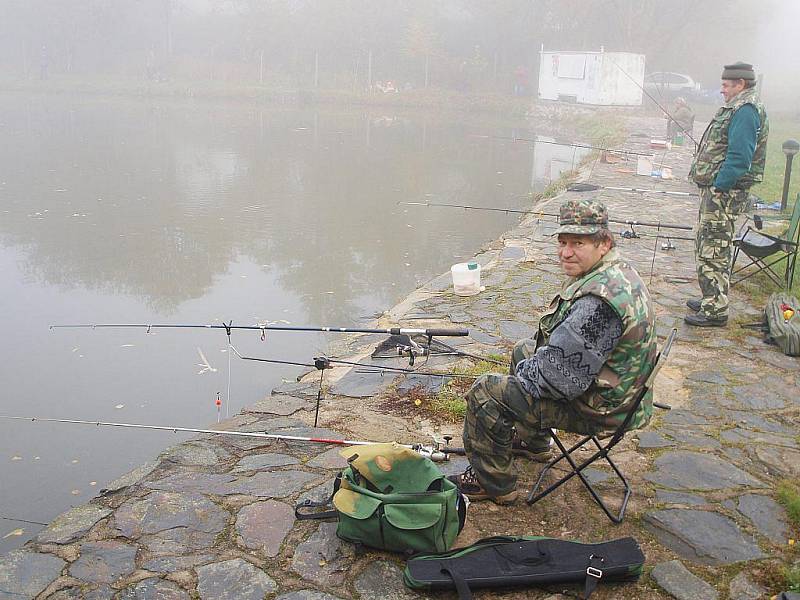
(729, 160)
(592, 354)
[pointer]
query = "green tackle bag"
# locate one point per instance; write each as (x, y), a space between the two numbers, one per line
(392, 498)
(782, 322)
(504, 561)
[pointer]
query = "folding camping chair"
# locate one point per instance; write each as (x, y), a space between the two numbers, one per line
(761, 247)
(603, 448)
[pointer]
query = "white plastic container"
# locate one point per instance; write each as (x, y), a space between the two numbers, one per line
(466, 278)
(644, 165)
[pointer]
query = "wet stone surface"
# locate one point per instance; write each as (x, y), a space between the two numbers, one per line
(264, 525)
(233, 579)
(651, 439)
(323, 558)
(743, 588)
(25, 574)
(280, 405)
(362, 385)
(307, 595)
(104, 561)
(258, 462)
(72, 524)
(383, 580)
(707, 537)
(195, 453)
(154, 588)
(695, 471)
(666, 497)
(768, 516)
(681, 583)
(160, 511)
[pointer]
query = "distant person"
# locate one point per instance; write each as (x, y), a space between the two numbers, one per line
(682, 121)
(520, 81)
(729, 160)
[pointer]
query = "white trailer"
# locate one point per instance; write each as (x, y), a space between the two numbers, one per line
(601, 78)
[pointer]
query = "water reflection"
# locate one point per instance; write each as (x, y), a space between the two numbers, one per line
(551, 158)
(113, 210)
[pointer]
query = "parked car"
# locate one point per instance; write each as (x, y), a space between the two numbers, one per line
(664, 83)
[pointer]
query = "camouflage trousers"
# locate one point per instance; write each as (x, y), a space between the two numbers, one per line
(497, 405)
(714, 248)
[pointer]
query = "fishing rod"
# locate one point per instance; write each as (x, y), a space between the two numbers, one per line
(546, 214)
(646, 93)
(431, 452)
(591, 187)
(323, 362)
(263, 328)
(570, 144)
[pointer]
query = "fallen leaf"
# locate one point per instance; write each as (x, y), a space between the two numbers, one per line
(16, 458)
(16, 532)
(92, 483)
(118, 406)
(75, 492)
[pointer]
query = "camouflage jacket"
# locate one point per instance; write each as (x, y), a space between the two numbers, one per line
(626, 370)
(713, 146)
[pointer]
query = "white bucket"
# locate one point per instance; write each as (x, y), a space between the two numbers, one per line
(644, 165)
(466, 278)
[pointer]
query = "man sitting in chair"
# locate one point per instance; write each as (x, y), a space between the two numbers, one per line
(592, 354)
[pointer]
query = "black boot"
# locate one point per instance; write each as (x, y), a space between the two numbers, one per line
(701, 320)
(694, 304)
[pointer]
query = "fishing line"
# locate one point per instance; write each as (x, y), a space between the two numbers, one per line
(570, 144)
(23, 521)
(646, 93)
(538, 212)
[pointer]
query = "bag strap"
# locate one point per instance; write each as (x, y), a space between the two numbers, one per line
(309, 504)
(593, 575)
(462, 587)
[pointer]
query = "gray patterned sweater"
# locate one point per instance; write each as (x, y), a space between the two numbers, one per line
(566, 367)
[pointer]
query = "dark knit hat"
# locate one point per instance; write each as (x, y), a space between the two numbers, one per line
(739, 70)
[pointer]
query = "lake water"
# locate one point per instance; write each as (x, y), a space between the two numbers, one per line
(124, 211)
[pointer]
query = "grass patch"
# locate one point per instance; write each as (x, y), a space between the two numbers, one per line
(789, 496)
(781, 128)
(449, 403)
(792, 577)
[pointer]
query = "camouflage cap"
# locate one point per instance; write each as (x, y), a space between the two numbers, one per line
(582, 217)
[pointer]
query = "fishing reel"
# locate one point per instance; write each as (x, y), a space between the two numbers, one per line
(439, 451)
(413, 349)
(629, 234)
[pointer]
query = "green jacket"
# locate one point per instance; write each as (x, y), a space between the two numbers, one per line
(626, 370)
(713, 146)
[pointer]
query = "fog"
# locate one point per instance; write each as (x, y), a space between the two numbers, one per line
(351, 45)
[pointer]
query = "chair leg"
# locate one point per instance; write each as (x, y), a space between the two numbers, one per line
(576, 469)
(761, 266)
